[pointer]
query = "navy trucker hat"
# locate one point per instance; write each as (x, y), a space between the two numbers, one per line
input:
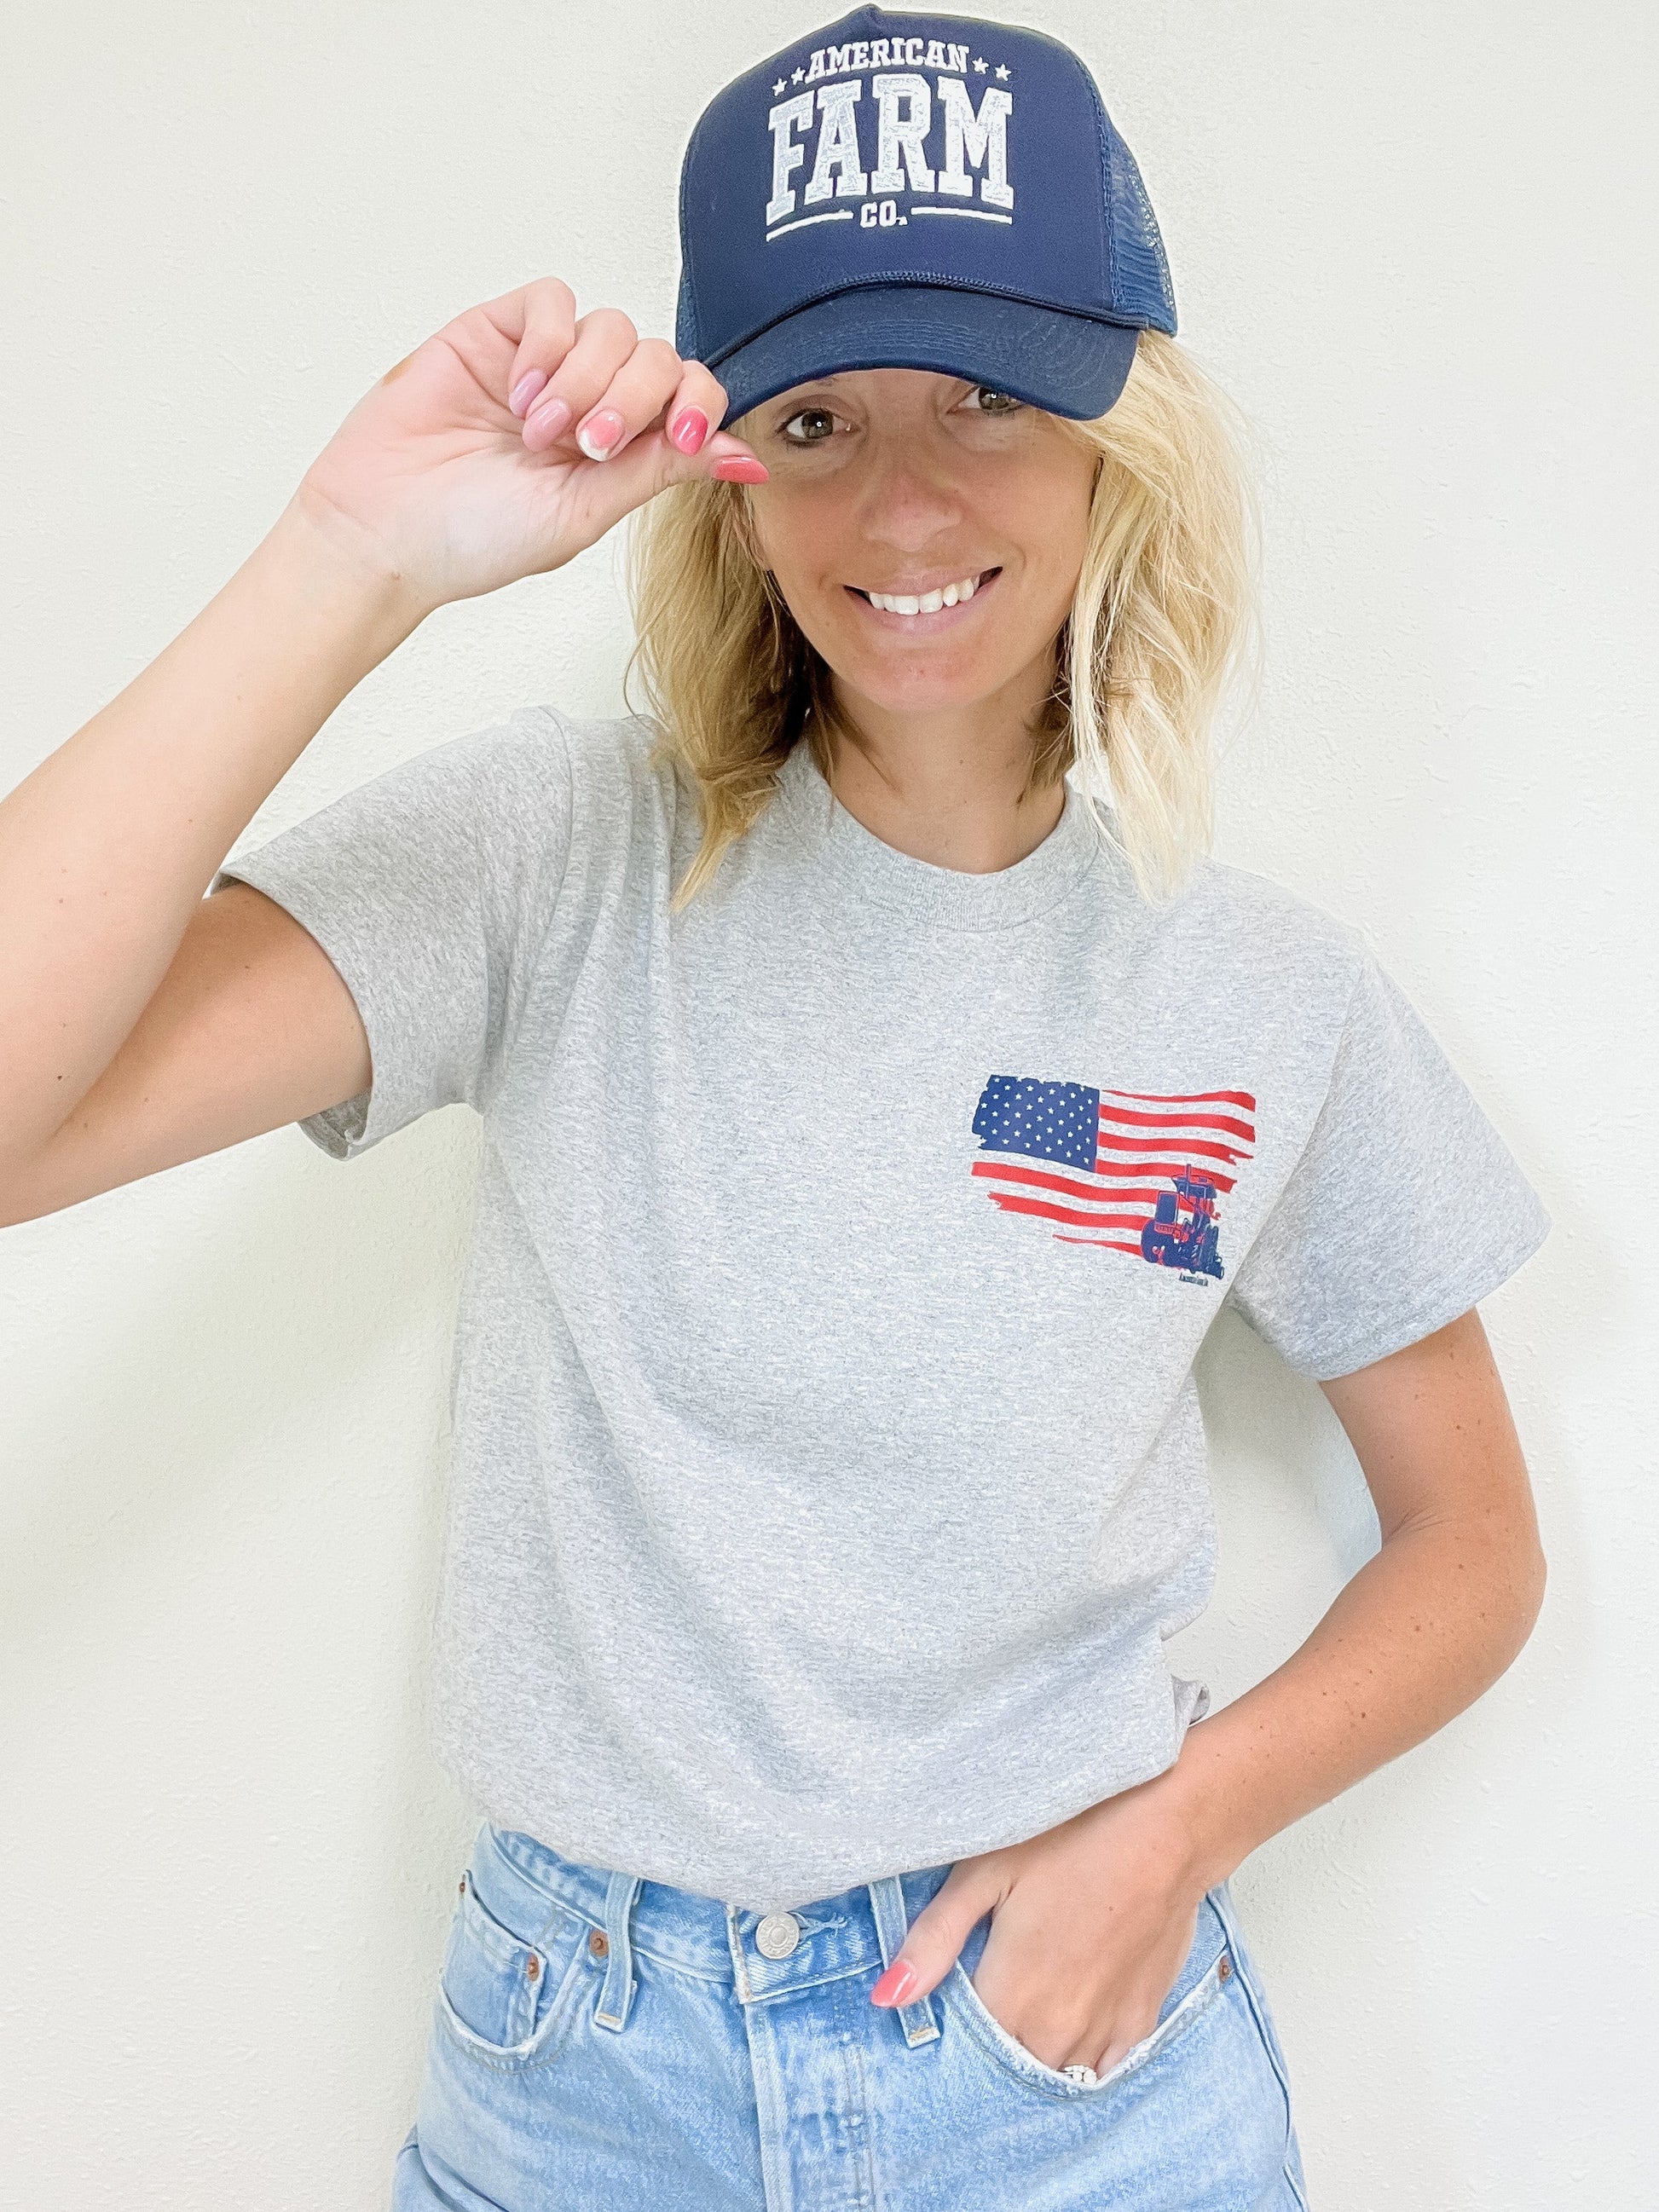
(918, 192)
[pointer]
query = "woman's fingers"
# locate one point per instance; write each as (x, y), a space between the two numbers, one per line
(649, 463)
(695, 415)
(594, 380)
(542, 318)
(688, 420)
(696, 409)
(605, 341)
(464, 466)
(633, 399)
(514, 343)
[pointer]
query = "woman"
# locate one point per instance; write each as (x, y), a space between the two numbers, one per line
(874, 1120)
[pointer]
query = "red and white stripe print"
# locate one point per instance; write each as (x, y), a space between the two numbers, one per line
(1146, 1138)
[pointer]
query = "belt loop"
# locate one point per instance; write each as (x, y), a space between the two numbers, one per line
(617, 1992)
(892, 1925)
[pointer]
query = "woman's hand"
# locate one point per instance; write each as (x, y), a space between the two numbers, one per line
(1091, 1924)
(471, 463)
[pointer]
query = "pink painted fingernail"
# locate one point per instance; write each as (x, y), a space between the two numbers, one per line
(689, 429)
(552, 415)
(525, 389)
(600, 433)
(896, 1985)
(738, 468)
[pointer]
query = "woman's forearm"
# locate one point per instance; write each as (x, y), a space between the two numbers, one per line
(107, 848)
(1416, 1635)
(1093, 1917)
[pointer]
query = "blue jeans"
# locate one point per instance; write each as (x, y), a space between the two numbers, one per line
(603, 2043)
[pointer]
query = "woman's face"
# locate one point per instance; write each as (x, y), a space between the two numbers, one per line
(897, 482)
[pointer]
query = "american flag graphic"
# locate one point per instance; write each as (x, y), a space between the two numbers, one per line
(1139, 1171)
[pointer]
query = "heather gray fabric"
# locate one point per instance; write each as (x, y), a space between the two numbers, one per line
(827, 1469)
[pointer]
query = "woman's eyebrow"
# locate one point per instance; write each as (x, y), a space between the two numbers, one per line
(781, 409)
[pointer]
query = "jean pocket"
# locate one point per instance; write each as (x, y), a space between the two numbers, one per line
(504, 1993)
(1203, 1974)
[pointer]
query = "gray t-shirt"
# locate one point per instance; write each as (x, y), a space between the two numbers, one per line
(827, 1468)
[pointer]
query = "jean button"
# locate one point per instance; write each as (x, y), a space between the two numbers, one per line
(777, 1934)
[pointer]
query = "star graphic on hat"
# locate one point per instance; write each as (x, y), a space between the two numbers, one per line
(979, 64)
(778, 87)
(798, 76)
(1002, 69)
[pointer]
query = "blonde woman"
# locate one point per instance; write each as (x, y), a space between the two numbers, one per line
(882, 1093)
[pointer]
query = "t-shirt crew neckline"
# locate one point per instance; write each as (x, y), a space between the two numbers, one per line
(952, 898)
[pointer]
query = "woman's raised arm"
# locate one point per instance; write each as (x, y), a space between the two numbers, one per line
(143, 1025)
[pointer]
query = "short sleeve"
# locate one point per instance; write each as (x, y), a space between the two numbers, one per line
(430, 888)
(1405, 1209)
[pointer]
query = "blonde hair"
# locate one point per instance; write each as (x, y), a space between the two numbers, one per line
(1164, 604)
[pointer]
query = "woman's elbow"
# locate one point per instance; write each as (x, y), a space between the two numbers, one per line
(1525, 1585)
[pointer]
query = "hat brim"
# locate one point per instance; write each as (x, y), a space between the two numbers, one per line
(1072, 365)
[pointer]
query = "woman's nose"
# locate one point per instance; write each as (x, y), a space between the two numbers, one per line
(906, 503)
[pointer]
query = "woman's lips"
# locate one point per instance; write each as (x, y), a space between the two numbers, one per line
(926, 625)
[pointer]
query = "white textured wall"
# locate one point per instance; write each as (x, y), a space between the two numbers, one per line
(1415, 241)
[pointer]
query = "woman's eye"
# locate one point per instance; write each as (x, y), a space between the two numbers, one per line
(985, 399)
(820, 422)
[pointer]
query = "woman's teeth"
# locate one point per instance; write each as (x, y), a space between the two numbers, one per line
(926, 603)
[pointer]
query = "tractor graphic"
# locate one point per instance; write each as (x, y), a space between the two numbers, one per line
(1182, 1231)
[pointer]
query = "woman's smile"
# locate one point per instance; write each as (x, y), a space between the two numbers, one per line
(925, 608)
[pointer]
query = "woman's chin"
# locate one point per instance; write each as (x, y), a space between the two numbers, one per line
(917, 688)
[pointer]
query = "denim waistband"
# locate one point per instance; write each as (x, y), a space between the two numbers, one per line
(856, 1931)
